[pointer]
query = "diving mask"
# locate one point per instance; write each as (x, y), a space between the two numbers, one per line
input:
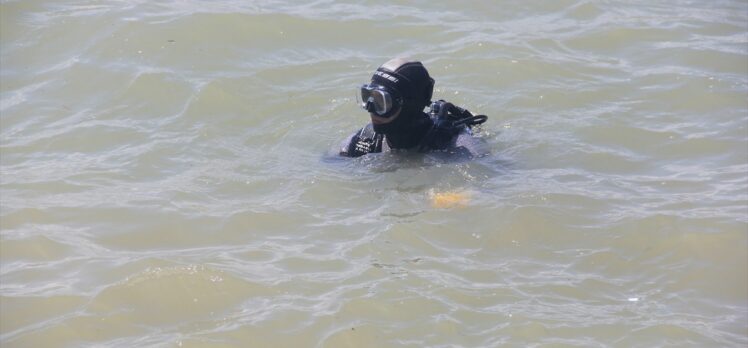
(378, 100)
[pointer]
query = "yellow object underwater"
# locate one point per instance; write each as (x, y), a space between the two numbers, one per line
(449, 199)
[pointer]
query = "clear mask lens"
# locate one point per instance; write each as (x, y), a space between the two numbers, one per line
(375, 99)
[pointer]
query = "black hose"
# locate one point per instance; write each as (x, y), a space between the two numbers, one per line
(471, 121)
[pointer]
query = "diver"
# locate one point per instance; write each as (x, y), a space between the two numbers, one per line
(395, 98)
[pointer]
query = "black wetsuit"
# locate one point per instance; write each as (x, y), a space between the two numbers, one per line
(432, 135)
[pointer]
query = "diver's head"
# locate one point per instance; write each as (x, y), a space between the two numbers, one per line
(399, 89)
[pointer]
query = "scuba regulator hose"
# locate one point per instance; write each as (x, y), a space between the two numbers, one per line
(452, 117)
(448, 121)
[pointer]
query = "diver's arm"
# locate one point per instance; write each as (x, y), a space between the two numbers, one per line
(348, 146)
(364, 141)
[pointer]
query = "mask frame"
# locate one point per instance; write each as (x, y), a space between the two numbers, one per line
(378, 100)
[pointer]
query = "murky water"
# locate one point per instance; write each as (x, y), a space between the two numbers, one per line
(165, 179)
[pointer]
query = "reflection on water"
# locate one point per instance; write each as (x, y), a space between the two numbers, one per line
(166, 177)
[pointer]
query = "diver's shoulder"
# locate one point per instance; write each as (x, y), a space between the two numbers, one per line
(469, 143)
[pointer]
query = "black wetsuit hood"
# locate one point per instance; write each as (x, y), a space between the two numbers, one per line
(412, 81)
(408, 129)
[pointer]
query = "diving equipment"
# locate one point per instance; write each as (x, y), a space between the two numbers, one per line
(379, 101)
(448, 121)
(445, 127)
